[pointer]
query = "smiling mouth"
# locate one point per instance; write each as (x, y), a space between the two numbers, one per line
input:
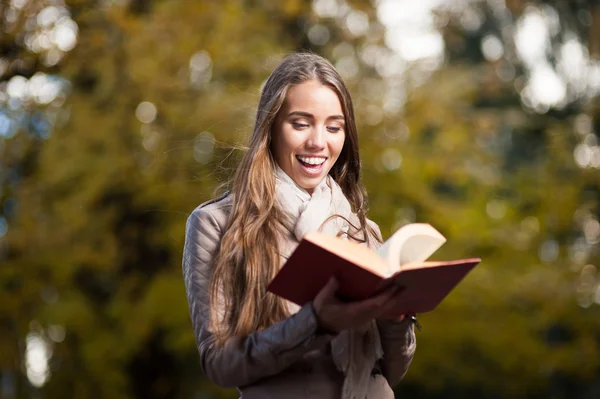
(311, 162)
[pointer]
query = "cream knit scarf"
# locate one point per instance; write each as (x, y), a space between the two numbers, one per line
(354, 351)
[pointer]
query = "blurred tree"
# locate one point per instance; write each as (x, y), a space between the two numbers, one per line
(116, 116)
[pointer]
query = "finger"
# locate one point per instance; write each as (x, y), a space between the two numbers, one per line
(375, 305)
(388, 308)
(389, 293)
(328, 291)
(370, 305)
(392, 303)
(385, 285)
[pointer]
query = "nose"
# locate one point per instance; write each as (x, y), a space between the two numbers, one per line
(316, 139)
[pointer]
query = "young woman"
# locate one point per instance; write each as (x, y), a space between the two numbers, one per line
(301, 174)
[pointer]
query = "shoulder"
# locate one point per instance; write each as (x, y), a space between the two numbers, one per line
(212, 214)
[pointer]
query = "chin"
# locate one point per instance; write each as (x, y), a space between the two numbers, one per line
(310, 184)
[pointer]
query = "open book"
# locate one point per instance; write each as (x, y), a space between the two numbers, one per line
(362, 272)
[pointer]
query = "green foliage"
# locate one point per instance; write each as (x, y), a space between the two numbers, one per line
(96, 211)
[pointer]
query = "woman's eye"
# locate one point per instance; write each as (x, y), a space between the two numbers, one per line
(298, 125)
(334, 129)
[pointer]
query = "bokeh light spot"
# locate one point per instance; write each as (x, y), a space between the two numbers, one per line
(318, 34)
(326, 8)
(548, 251)
(591, 229)
(496, 209)
(146, 112)
(204, 145)
(57, 333)
(37, 356)
(357, 23)
(49, 294)
(492, 48)
(391, 159)
(200, 69)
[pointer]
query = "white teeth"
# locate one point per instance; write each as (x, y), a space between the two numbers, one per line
(312, 160)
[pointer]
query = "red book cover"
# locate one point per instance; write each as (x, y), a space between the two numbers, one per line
(361, 273)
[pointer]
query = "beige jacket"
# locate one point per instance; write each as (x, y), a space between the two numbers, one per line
(290, 359)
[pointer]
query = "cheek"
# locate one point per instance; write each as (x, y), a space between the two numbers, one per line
(288, 145)
(280, 144)
(337, 145)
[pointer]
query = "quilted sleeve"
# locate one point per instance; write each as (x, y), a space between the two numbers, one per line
(242, 360)
(399, 344)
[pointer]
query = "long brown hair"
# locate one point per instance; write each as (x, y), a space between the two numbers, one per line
(248, 257)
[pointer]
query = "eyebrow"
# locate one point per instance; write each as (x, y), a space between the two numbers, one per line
(308, 115)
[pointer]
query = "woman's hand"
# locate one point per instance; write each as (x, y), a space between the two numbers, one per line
(335, 315)
(392, 304)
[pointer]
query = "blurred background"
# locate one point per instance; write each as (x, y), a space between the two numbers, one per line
(117, 118)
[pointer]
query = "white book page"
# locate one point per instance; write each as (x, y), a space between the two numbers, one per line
(414, 242)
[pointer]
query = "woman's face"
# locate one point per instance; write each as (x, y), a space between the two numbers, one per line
(308, 133)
